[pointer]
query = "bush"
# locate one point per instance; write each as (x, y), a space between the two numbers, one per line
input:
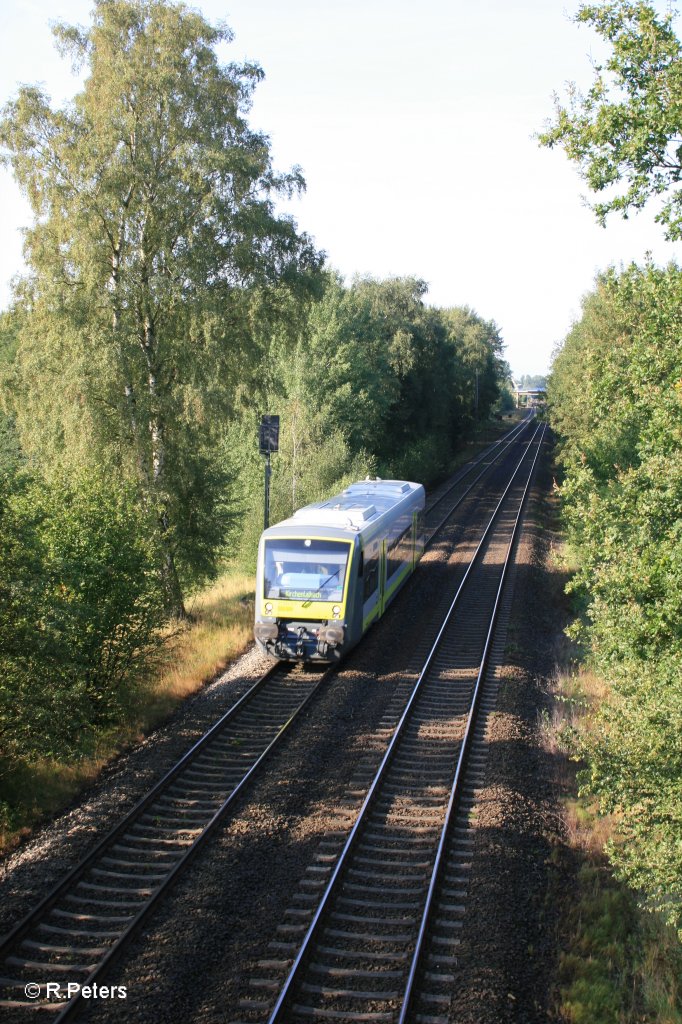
(423, 461)
(80, 611)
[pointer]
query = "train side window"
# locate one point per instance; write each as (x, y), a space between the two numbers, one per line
(371, 577)
(399, 552)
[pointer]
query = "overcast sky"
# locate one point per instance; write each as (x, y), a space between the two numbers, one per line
(414, 128)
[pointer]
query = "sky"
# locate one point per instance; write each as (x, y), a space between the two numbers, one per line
(413, 125)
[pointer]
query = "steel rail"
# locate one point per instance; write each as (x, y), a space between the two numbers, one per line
(462, 759)
(118, 947)
(64, 884)
(464, 470)
(24, 926)
(286, 992)
(436, 529)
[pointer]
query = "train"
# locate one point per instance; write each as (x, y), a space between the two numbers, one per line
(327, 573)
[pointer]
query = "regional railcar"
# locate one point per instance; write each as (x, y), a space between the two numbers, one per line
(331, 570)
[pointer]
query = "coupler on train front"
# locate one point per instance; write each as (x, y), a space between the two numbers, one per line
(301, 641)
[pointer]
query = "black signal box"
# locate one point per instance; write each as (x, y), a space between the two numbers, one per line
(269, 434)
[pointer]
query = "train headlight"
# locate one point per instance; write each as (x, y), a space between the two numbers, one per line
(336, 611)
(268, 608)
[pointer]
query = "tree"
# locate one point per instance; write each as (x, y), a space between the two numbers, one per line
(627, 130)
(347, 342)
(616, 403)
(10, 450)
(478, 352)
(154, 231)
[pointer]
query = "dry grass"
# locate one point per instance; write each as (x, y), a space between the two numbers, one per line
(587, 829)
(221, 628)
(576, 694)
(40, 790)
(661, 973)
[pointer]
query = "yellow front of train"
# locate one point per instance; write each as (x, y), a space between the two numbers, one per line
(303, 589)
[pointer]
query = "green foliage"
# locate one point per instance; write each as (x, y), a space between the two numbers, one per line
(505, 402)
(617, 963)
(315, 457)
(371, 380)
(616, 401)
(10, 447)
(79, 612)
(628, 128)
(636, 767)
(154, 232)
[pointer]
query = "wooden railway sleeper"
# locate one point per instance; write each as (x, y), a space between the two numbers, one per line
(348, 993)
(46, 968)
(370, 886)
(352, 972)
(94, 934)
(70, 916)
(44, 947)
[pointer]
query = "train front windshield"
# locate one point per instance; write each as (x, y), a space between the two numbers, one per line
(305, 569)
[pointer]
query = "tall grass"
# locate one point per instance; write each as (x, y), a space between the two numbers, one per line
(221, 626)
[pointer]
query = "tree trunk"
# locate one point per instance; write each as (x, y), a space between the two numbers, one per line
(169, 573)
(150, 485)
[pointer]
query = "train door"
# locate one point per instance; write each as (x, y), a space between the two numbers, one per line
(382, 579)
(414, 539)
(370, 588)
(417, 536)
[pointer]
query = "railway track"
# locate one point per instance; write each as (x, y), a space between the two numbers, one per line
(82, 926)
(383, 938)
(443, 501)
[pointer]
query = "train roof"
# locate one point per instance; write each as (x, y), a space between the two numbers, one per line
(361, 505)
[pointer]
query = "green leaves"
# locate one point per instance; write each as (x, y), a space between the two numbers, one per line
(154, 232)
(627, 129)
(367, 379)
(79, 612)
(615, 400)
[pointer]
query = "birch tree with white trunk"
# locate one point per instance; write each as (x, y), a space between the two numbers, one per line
(154, 226)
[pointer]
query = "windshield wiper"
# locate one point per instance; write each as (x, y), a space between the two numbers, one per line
(324, 584)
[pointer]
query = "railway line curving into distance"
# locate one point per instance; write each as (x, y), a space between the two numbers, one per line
(85, 923)
(384, 934)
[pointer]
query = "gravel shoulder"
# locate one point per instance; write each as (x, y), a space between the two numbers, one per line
(509, 938)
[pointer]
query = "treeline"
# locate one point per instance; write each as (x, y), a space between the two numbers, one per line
(615, 394)
(372, 381)
(165, 308)
(616, 403)
(375, 382)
